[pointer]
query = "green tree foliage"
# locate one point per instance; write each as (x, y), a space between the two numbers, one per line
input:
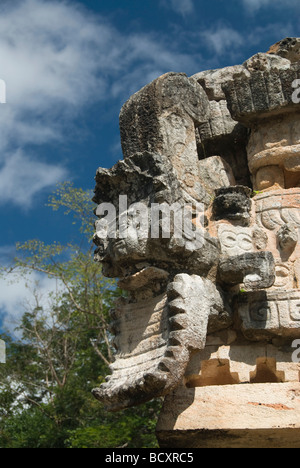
(63, 350)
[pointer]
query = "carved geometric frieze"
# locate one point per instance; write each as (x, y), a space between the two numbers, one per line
(241, 363)
(270, 313)
(284, 275)
(276, 208)
(235, 240)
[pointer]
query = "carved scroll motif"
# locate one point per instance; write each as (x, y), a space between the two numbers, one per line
(270, 314)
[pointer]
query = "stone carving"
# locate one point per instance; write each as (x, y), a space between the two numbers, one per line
(155, 338)
(288, 48)
(235, 240)
(154, 269)
(274, 313)
(215, 304)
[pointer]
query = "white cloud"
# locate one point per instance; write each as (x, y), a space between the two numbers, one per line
(182, 7)
(255, 5)
(50, 71)
(271, 33)
(21, 177)
(56, 59)
(18, 294)
(7, 254)
(145, 57)
(222, 39)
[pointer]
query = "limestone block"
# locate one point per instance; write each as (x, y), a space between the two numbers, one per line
(260, 238)
(235, 240)
(214, 173)
(288, 236)
(288, 48)
(263, 91)
(264, 62)
(220, 134)
(278, 215)
(161, 118)
(276, 142)
(231, 416)
(143, 278)
(219, 122)
(276, 208)
(141, 341)
(284, 272)
(266, 314)
(269, 178)
(146, 178)
(213, 80)
(154, 340)
(233, 203)
(255, 270)
(240, 363)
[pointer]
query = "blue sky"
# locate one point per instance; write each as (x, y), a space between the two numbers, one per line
(70, 65)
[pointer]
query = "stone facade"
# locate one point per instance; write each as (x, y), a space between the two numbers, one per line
(209, 325)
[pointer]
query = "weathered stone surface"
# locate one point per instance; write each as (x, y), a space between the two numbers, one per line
(235, 240)
(207, 312)
(233, 203)
(235, 395)
(148, 179)
(232, 416)
(276, 208)
(263, 62)
(275, 146)
(288, 48)
(212, 81)
(230, 360)
(288, 237)
(219, 123)
(135, 372)
(220, 134)
(148, 266)
(159, 144)
(255, 270)
(266, 89)
(215, 172)
(161, 119)
(231, 147)
(143, 278)
(269, 314)
(154, 341)
(277, 212)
